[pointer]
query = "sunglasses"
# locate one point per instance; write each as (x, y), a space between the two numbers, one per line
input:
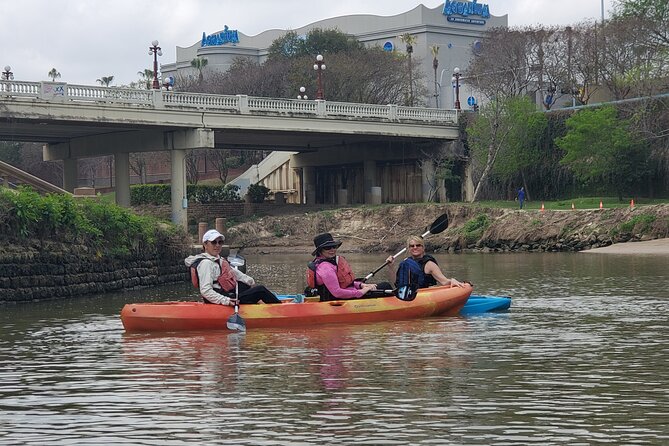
(217, 242)
(415, 246)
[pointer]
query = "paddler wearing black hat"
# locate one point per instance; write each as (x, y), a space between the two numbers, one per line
(332, 275)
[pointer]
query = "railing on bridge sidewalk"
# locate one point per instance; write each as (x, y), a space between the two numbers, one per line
(9, 173)
(238, 104)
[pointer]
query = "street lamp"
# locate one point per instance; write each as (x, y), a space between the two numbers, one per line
(319, 66)
(456, 80)
(156, 51)
(302, 94)
(7, 74)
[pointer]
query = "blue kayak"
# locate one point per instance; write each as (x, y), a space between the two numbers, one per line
(485, 304)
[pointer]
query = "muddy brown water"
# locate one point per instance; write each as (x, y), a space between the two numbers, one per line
(581, 358)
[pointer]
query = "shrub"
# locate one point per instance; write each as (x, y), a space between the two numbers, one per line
(160, 194)
(644, 221)
(474, 228)
(257, 193)
(102, 225)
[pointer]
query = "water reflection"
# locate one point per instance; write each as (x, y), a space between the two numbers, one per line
(580, 359)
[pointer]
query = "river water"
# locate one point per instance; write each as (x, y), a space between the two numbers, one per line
(581, 358)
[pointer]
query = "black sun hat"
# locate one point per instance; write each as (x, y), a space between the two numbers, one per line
(325, 240)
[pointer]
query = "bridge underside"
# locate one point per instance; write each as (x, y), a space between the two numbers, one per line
(93, 128)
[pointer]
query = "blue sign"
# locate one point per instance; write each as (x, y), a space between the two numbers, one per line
(471, 101)
(388, 46)
(225, 36)
(464, 10)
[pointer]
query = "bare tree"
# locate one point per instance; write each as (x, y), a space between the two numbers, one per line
(192, 162)
(138, 165)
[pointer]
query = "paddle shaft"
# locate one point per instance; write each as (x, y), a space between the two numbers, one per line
(235, 322)
(402, 251)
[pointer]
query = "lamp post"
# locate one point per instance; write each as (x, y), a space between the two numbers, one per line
(302, 94)
(7, 74)
(456, 80)
(319, 66)
(155, 50)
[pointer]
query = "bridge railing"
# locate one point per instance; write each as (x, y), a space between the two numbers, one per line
(242, 104)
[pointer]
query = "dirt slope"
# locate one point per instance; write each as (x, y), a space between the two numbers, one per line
(385, 228)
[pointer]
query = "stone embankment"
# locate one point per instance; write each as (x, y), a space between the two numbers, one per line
(55, 270)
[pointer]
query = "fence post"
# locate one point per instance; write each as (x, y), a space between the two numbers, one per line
(201, 229)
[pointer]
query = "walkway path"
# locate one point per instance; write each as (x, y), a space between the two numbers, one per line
(658, 246)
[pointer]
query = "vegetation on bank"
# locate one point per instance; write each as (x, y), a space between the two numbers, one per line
(103, 226)
(158, 194)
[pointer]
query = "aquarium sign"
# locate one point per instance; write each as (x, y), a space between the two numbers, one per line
(225, 36)
(459, 12)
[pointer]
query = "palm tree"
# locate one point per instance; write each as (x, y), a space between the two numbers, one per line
(105, 80)
(146, 77)
(409, 40)
(54, 74)
(199, 63)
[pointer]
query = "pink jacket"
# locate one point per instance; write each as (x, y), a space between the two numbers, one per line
(326, 274)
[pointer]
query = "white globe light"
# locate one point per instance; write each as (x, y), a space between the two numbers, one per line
(319, 58)
(160, 53)
(8, 68)
(453, 79)
(456, 70)
(302, 89)
(315, 67)
(322, 66)
(154, 43)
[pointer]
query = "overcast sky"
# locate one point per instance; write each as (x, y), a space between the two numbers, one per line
(88, 39)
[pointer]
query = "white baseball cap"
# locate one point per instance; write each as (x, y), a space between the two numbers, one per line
(211, 235)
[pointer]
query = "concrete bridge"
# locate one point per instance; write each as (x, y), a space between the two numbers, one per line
(78, 121)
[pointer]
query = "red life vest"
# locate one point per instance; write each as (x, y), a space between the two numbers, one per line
(226, 279)
(344, 272)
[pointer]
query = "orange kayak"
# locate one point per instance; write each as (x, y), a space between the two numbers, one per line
(172, 316)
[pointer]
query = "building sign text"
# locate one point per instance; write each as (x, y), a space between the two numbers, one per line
(464, 10)
(225, 36)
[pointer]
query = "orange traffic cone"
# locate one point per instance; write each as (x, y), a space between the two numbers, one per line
(542, 206)
(632, 204)
(601, 205)
(572, 206)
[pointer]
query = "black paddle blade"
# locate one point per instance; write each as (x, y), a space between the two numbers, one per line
(407, 292)
(439, 225)
(236, 323)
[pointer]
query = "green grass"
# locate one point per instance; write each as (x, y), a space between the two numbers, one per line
(579, 203)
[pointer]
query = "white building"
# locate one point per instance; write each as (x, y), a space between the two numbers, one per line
(455, 26)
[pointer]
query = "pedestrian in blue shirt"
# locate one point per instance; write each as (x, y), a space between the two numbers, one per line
(521, 196)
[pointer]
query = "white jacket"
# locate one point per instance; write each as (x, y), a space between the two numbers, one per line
(208, 271)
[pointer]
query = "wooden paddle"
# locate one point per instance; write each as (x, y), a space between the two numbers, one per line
(437, 226)
(236, 322)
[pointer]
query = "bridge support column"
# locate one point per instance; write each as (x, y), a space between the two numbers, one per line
(369, 177)
(428, 180)
(122, 177)
(179, 200)
(70, 174)
(309, 187)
